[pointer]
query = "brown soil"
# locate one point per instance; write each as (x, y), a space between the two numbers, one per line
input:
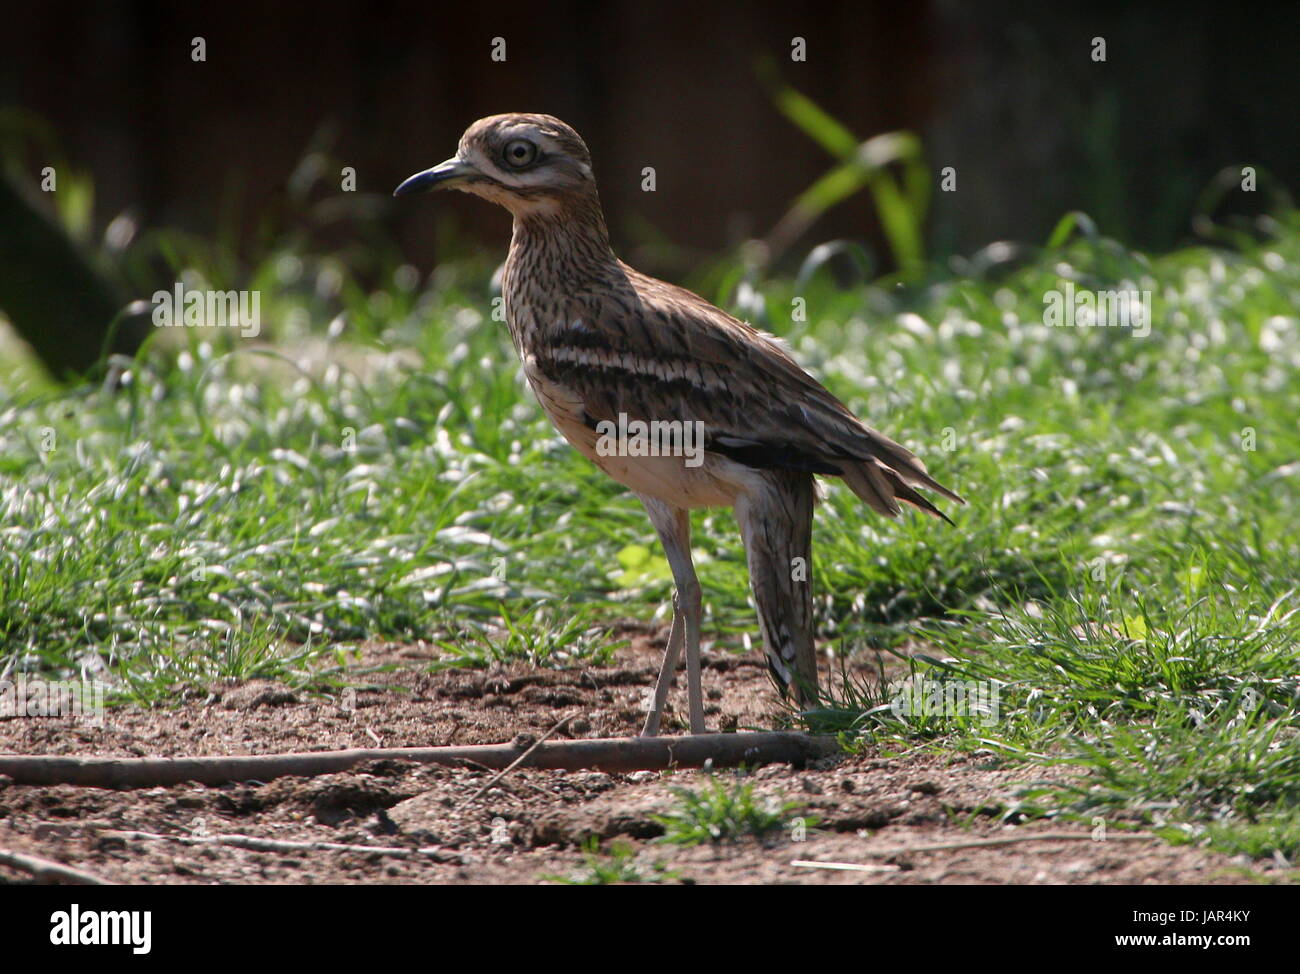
(532, 825)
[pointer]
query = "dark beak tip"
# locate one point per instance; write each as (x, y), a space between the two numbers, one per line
(447, 173)
(408, 187)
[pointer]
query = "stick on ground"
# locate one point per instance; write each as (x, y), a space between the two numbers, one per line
(610, 754)
(48, 871)
(1000, 840)
(256, 844)
(1014, 840)
(521, 759)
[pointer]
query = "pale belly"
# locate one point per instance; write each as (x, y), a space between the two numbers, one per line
(701, 480)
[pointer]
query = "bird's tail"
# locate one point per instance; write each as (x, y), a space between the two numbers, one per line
(776, 524)
(883, 485)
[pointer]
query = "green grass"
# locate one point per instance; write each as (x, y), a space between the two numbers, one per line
(1276, 837)
(1126, 584)
(724, 809)
(1124, 574)
(618, 865)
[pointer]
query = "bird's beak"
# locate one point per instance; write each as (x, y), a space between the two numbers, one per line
(442, 176)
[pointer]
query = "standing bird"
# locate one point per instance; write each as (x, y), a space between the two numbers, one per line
(606, 347)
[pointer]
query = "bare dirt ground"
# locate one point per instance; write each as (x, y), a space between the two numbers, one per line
(872, 809)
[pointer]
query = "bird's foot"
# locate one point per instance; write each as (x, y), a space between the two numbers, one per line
(651, 728)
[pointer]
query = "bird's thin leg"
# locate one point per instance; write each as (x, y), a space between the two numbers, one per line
(674, 527)
(692, 609)
(675, 639)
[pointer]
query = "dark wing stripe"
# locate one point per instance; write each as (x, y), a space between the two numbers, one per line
(771, 456)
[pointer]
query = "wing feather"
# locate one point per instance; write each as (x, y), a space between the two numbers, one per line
(654, 351)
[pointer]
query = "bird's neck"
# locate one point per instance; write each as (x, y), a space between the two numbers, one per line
(569, 236)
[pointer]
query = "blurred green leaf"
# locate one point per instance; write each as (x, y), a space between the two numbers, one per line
(902, 203)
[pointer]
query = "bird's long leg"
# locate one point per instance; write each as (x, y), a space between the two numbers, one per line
(692, 609)
(675, 639)
(674, 527)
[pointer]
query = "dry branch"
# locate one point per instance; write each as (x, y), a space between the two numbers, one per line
(611, 754)
(854, 867)
(521, 759)
(1002, 840)
(283, 846)
(1014, 840)
(47, 871)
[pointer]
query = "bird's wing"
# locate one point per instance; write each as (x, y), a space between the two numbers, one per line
(653, 351)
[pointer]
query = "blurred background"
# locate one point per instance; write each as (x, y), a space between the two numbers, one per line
(164, 160)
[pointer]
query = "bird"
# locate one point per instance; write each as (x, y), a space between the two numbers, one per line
(612, 354)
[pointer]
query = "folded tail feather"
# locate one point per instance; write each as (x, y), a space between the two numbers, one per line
(883, 487)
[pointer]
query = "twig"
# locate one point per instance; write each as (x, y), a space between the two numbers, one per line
(990, 843)
(610, 754)
(47, 871)
(523, 757)
(272, 845)
(856, 867)
(1014, 839)
(508, 791)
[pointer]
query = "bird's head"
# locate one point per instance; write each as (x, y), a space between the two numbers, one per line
(527, 163)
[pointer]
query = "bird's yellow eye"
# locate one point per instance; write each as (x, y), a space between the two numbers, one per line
(519, 153)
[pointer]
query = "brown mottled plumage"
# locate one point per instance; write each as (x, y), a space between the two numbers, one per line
(599, 339)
